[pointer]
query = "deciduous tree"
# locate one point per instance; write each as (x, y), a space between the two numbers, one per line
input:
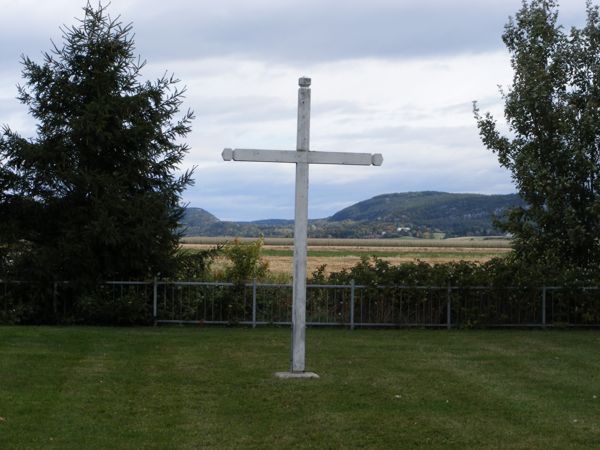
(552, 144)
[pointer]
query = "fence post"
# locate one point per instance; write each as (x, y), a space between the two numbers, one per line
(449, 307)
(352, 294)
(155, 299)
(254, 303)
(544, 306)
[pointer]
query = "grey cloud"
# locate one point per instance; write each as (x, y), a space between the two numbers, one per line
(458, 108)
(487, 103)
(225, 195)
(446, 136)
(244, 109)
(340, 107)
(325, 31)
(332, 32)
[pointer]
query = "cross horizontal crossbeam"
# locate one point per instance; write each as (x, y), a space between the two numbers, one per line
(310, 157)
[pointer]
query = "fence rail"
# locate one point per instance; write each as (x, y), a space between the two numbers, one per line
(351, 305)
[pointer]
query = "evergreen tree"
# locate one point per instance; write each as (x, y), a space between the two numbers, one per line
(552, 149)
(95, 194)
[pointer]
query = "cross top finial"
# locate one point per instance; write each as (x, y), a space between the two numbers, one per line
(304, 82)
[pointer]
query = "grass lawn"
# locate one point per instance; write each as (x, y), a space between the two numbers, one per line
(165, 388)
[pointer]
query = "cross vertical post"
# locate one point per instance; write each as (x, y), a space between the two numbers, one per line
(298, 355)
(302, 157)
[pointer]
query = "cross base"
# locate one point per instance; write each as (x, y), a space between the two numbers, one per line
(295, 375)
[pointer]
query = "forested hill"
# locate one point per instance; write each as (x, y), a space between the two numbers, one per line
(429, 207)
(198, 218)
(416, 214)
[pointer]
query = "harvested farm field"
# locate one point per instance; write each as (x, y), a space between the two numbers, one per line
(339, 254)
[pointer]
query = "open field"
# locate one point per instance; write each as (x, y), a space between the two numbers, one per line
(467, 242)
(340, 254)
(73, 388)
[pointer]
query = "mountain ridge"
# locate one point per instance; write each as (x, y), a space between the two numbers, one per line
(410, 214)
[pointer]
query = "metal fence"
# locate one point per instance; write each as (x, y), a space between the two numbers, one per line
(376, 306)
(351, 305)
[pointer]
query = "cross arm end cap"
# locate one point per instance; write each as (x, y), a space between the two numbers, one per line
(227, 154)
(304, 82)
(377, 159)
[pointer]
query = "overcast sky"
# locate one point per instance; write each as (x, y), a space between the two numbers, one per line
(396, 77)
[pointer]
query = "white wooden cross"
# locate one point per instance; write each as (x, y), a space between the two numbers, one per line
(302, 157)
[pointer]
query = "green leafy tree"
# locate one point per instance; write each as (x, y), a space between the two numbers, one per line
(552, 111)
(96, 194)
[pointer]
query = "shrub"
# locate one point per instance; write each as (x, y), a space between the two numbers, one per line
(102, 308)
(196, 264)
(245, 261)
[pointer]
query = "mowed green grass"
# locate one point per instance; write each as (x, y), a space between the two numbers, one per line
(76, 388)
